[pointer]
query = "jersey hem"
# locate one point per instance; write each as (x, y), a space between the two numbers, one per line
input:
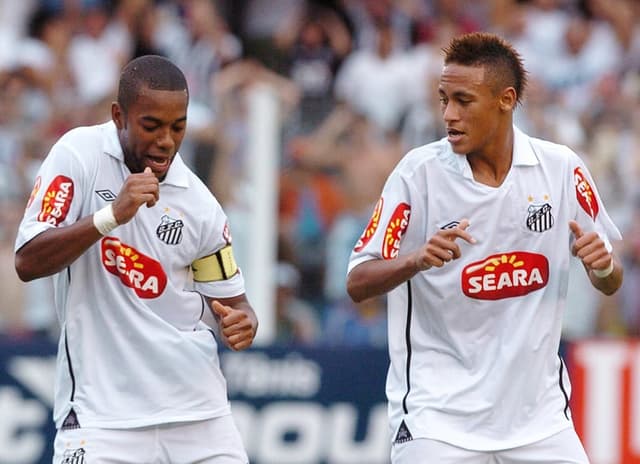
(86, 422)
(473, 444)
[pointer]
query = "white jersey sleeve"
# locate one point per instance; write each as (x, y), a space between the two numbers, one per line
(217, 243)
(390, 219)
(589, 212)
(56, 198)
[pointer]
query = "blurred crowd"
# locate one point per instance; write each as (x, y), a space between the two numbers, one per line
(355, 80)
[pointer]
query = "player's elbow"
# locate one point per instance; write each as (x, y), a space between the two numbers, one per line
(26, 272)
(22, 270)
(354, 290)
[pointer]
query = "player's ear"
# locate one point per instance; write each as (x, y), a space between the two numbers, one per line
(117, 115)
(508, 99)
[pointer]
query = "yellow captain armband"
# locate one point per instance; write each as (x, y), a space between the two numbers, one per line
(219, 266)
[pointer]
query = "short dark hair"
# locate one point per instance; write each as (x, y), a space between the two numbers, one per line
(152, 71)
(493, 53)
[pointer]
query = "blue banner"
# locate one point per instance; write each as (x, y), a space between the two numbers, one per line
(292, 405)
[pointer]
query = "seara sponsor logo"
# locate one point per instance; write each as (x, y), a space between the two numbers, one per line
(371, 227)
(505, 275)
(396, 228)
(136, 270)
(585, 194)
(56, 201)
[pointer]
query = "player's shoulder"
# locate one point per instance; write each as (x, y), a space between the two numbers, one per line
(86, 136)
(548, 151)
(421, 156)
(87, 143)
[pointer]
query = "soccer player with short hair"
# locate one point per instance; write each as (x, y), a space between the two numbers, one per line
(472, 239)
(139, 250)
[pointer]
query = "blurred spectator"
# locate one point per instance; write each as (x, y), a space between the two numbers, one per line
(97, 53)
(259, 24)
(356, 325)
(367, 16)
(315, 45)
(374, 82)
(12, 316)
(297, 321)
(310, 200)
(629, 297)
(228, 170)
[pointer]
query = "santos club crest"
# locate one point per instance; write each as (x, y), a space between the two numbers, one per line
(170, 230)
(539, 218)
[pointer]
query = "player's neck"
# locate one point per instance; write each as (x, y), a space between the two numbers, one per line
(491, 165)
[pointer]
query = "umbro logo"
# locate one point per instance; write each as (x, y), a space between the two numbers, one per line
(403, 434)
(106, 194)
(450, 225)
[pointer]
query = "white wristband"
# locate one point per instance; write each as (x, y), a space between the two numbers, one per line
(104, 220)
(602, 273)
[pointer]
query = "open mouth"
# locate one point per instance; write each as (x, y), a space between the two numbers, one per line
(157, 163)
(454, 135)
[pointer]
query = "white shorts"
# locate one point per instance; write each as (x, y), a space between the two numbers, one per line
(213, 441)
(562, 448)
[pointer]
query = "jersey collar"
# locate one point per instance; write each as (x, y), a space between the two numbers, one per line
(178, 171)
(523, 154)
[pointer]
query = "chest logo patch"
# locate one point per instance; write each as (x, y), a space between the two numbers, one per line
(56, 201)
(505, 275)
(585, 194)
(371, 228)
(539, 218)
(170, 230)
(136, 270)
(396, 228)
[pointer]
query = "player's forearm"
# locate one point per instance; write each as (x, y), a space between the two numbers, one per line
(377, 277)
(55, 249)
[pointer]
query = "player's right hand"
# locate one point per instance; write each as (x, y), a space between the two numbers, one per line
(442, 247)
(138, 189)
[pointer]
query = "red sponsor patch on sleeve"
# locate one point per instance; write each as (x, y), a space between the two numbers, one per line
(585, 194)
(56, 201)
(396, 228)
(137, 271)
(226, 233)
(371, 228)
(505, 275)
(34, 191)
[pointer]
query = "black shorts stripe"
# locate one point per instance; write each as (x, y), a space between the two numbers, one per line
(407, 335)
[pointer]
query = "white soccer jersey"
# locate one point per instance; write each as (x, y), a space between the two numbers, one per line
(133, 351)
(474, 344)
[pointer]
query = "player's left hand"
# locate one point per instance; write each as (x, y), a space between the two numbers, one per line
(238, 326)
(590, 248)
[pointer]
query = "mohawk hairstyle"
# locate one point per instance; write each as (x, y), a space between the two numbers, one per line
(496, 55)
(152, 71)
